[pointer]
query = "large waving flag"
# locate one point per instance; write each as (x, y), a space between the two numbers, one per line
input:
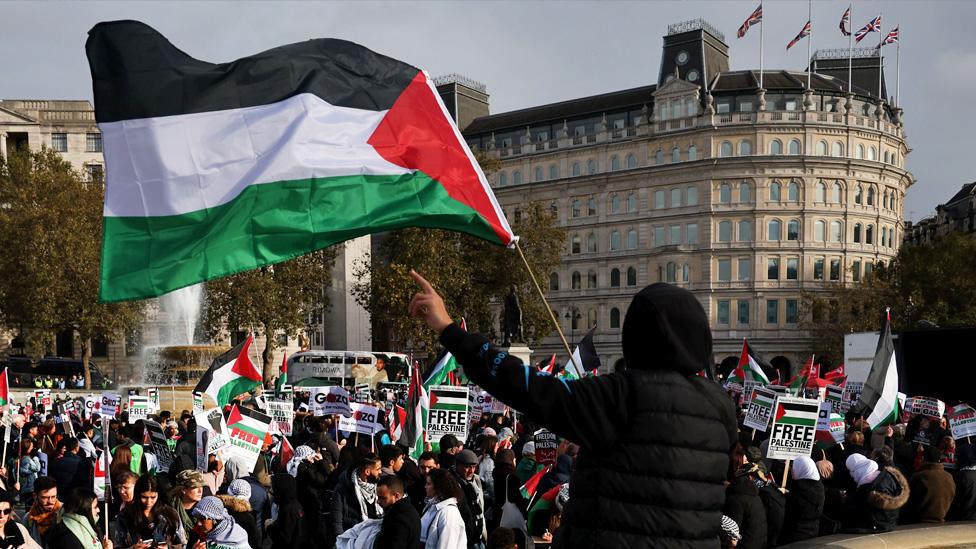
(754, 18)
(873, 25)
(879, 397)
(214, 169)
(4, 388)
(750, 368)
(231, 374)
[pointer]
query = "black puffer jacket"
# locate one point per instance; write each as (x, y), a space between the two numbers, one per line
(804, 506)
(744, 507)
(654, 439)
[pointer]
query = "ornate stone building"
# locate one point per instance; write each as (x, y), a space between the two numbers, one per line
(748, 197)
(958, 214)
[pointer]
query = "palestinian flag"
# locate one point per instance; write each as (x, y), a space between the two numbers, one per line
(528, 489)
(102, 481)
(231, 374)
(547, 366)
(283, 375)
(418, 406)
(543, 505)
(749, 369)
(4, 388)
(398, 416)
(214, 169)
(801, 380)
(879, 397)
(285, 452)
(793, 412)
(446, 369)
(584, 356)
(248, 425)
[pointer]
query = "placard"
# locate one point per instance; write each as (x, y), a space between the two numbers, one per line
(962, 421)
(830, 425)
(154, 397)
(157, 439)
(760, 409)
(282, 416)
(546, 444)
(361, 420)
(925, 406)
(448, 413)
(747, 388)
(197, 402)
(248, 429)
(834, 395)
(329, 401)
(43, 398)
(852, 392)
(140, 407)
(43, 459)
(363, 394)
(794, 428)
(111, 404)
(91, 405)
(211, 436)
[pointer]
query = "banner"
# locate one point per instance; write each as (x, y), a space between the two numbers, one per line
(546, 445)
(157, 438)
(448, 413)
(211, 436)
(479, 401)
(830, 425)
(362, 419)
(329, 401)
(248, 428)
(962, 421)
(925, 406)
(111, 404)
(363, 394)
(834, 395)
(154, 397)
(282, 417)
(140, 407)
(760, 409)
(197, 402)
(91, 405)
(42, 397)
(794, 428)
(852, 392)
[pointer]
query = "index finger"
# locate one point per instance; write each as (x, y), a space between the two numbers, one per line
(422, 282)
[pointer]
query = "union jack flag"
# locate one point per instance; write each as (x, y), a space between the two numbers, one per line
(845, 22)
(803, 33)
(756, 17)
(891, 38)
(873, 25)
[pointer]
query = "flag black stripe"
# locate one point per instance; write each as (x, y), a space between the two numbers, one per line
(138, 73)
(801, 407)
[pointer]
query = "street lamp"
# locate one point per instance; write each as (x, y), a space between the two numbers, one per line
(573, 316)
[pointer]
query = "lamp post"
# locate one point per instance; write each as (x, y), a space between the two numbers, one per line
(573, 316)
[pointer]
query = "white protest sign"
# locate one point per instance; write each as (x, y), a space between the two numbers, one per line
(282, 416)
(157, 439)
(197, 402)
(760, 409)
(747, 388)
(363, 394)
(140, 407)
(111, 404)
(834, 395)
(448, 413)
(329, 401)
(43, 398)
(830, 425)
(925, 406)
(248, 429)
(92, 405)
(362, 420)
(212, 436)
(794, 428)
(480, 401)
(154, 397)
(962, 421)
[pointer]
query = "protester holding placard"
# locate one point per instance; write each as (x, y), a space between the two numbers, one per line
(804, 502)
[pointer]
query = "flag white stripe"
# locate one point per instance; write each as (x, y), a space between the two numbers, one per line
(184, 163)
(449, 400)
(888, 397)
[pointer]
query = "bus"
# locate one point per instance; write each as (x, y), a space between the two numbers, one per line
(23, 372)
(347, 368)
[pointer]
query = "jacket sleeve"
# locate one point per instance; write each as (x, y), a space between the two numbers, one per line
(338, 506)
(588, 411)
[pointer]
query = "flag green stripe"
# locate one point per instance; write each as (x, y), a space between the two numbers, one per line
(269, 223)
(801, 421)
(233, 388)
(445, 406)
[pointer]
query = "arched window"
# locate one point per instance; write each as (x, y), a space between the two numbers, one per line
(872, 153)
(614, 241)
(835, 232)
(692, 153)
(591, 318)
(793, 191)
(675, 155)
(614, 318)
(870, 196)
(517, 178)
(725, 231)
(835, 193)
(821, 191)
(869, 235)
(887, 158)
(577, 211)
(891, 203)
(591, 242)
(820, 231)
(591, 167)
(614, 278)
(725, 193)
(671, 272)
(821, 148)
(659, 157)
(745, 147)
(725, 149)
(591, 206)
(860, 152)
(631, 161)
(837, 149)
(857, 233)
(691, 196)
(614, 163)
(576, 169)
(775, 191)
(632, 239)
(675, 198)
(632, 202)
(858, 194)
(577, 281)
(793, 230)
(795, 146)
(745, 192)
(773, 230)
(553, 209)
(554, 172)
(659, 199)
(745, 231)
(776, 147)
(576, 244)
(591, 280)
(554, 282)
(502, 179)
(538, 173)
(884, 237)
(884, 200)
(631, 276)
(685, 273)
(615, 204)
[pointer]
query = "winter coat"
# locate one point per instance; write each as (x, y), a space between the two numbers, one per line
(742, 504)
(401, 527)
(29, 467)
(346, 511)
(14, 535)
(315, 497)
(472, 508)
(964, 504)
(442, 527)
(70, 470)
(654, 438)
(288, 529)
(126, 534)
(932, 492)
(506, 484)
(241, 511)
(804, 506)
(774, 506)
(874, 507)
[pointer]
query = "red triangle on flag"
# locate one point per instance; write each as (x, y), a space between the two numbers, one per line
(780, 412)
(432, 396)
(243, 366)
(284, 363)
(235, 416)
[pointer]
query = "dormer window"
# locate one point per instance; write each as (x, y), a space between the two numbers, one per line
(723, 107)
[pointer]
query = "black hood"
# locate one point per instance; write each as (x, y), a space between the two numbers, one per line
(667, 329)
(284, 488)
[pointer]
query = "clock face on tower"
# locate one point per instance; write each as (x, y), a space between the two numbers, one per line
(692, 75)
(682, 58)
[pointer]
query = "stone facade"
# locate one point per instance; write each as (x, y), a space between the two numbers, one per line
(958, 214)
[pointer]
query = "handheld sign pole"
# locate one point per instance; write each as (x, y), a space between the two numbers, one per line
(786, 473)
(105, 457)
(753, 435)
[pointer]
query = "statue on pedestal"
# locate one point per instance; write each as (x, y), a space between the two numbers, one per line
(512, 319)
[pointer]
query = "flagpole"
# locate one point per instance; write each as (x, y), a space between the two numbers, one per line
(880, 61)
(761, 26)
(897, 69)
(850, 48)
(552, 315)
(809, 41)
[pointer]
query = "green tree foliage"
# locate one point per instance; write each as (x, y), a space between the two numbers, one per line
(471, 274)
(50, 234)
(933, 284)
(274, 299)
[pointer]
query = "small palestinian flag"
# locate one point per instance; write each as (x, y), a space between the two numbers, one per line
(749, 369)
(285, 452)
(446, 369)
(4, 388)
(528, 489)
(213, 169)
(283, 375)
(248, 425)
(802, 414)
(541, 507)
(584, 356)
(231, 374)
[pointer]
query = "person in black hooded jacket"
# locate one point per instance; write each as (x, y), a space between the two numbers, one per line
(743, 505)
(804, 502)
(964, 504)
(288, 529)
(654, 438)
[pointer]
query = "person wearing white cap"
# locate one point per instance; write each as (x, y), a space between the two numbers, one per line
(527, 466)
(875, 505)
(804, 502)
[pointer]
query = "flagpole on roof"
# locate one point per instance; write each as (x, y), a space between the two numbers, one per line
(850, 49)
(897, 67)
(809, 41)
(761, 26)
(880, 59)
